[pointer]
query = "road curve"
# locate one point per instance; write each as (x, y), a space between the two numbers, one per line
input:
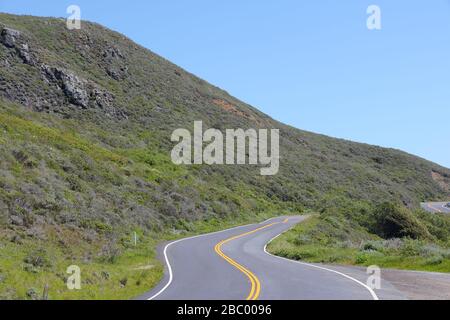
(233, 265)
(436, 207)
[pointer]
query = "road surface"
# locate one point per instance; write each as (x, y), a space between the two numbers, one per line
(436, 207)
(234, 265)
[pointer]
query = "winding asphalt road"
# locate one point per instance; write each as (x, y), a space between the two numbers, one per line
(436, 207)
(234, 265)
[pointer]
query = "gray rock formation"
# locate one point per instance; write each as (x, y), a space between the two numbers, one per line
(81, 92)
(9, 37)
(73, 87)
(24, 53)
(115, 63)
(13, 39)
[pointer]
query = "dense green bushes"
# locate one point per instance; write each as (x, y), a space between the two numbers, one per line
(393, 221)
(388, 235)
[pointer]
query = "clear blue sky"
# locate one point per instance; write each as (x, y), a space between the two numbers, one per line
(312, 64)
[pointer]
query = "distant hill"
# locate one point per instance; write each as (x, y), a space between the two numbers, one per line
(86, 117)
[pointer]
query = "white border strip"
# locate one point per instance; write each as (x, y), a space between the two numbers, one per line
(374, 295)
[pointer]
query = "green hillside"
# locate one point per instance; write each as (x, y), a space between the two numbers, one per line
(85, 123)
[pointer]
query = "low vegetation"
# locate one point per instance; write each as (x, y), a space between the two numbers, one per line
(68, 200)
(387, 235)
(112, 266)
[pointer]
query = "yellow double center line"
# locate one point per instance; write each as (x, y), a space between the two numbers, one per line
(255, 283)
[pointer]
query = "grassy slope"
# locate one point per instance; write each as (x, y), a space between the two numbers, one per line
(36, 181)
(76, 183)
(335, 239)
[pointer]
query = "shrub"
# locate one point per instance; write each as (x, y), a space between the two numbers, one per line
(123, 282)
(372, 246)
(435, 260)
(38, 259)
(110, 252)
(361, 258)
(411, 248)
(394, 243)
(393, 221)
(32, 294)
(302, 239)
(432, 250)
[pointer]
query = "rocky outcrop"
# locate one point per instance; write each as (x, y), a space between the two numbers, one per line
(113, 53)
(73, 87)
(9, 37)
(24, 53)
(13, 39)
(61, 89)
(118, 74)
(115, 63)
(102, 98)
(81, 92)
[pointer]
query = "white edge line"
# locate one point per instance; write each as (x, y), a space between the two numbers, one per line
(374, 295)
(169, 267)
